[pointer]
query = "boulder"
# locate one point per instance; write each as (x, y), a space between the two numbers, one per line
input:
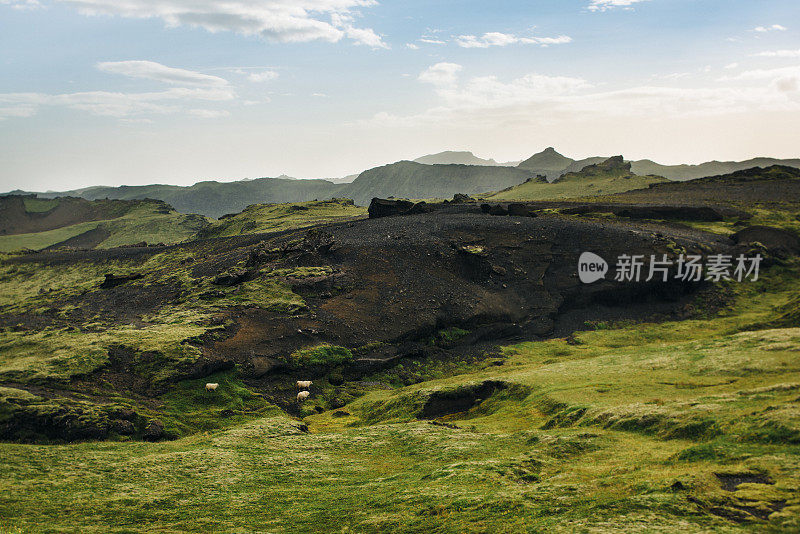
(421, 207)
(520, 210)
(461, 198)
(497, 209)
(380, 207)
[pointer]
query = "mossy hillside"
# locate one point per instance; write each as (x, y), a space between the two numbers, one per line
(190, 407)
(500, 467)
(41, 240)
(262, 218)
(321, 356)
(61, 296)
(575, 185)
(39, 205)
(609, 433)
(142, 221)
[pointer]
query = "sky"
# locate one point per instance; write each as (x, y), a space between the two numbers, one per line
(112, 92)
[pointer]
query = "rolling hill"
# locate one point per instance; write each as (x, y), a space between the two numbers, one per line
(211, 198)
(260, 218)
(434, 176)
(450, 157)
(416, 180)
(610, 176)
(28, 222)
(552, 164)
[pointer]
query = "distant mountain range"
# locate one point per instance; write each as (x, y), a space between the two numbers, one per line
(402, 179)
(450, 157)
(437, 175)
(552, 164)
(609, 176)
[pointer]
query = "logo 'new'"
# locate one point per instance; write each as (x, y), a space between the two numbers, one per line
(591, 267)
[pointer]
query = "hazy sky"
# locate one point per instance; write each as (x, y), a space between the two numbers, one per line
(176, 91)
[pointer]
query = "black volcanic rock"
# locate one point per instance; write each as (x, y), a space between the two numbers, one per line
(380, 207)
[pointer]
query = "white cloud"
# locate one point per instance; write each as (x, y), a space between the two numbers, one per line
(779, 53)
(605, 5)
(258, 77)
(151, 70)
(412, 46)
(765, 74)
(275, 20)
(441, 74)
(785, 80)
(431, 41)
(773, 28)
(731, 66)
(489, 91)
(208, 113)
(21, 4)
(111, 104)
(674, 76)
(19, 109)
(541, 99)
(505, 39)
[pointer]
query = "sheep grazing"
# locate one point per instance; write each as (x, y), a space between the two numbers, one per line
(211, 387)
(304, 384)
(303, 395)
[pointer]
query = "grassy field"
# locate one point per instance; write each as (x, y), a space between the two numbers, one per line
(145, 222)
(575, 185)
(674, 427)
(260, 218)
(689, 426)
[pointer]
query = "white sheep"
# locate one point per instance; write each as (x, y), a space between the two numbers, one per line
(211, 386)
(303, 395)
(304, 384)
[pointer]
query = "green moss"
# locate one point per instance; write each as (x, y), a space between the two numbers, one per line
(39, 205)
(447, 336)
(261, 218)
(320, 356)
(190, 407)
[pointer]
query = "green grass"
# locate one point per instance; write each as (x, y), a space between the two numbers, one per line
(320, 356)
(262, 218)
(574, 186)
(190, 408)
(39, 205)
(626, 427)
(144, 222)
(40, 240)
(620, 429)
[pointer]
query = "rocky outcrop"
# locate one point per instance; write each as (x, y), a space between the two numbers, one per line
(380, 207)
